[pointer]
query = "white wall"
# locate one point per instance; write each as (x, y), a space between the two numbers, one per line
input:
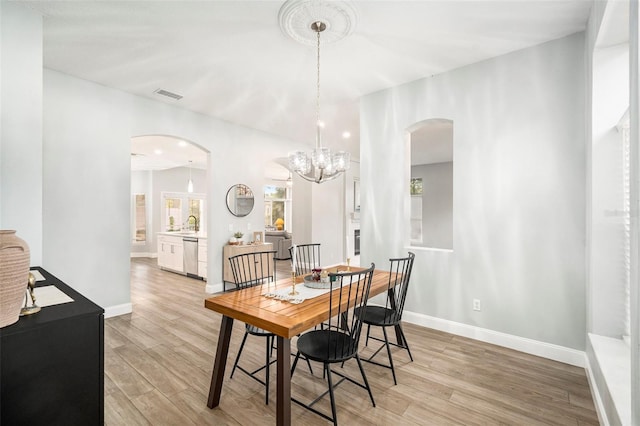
(352, 217)
(327, 214)
(437, 203)
(21, 125)
(302, 206)
(519, 192)
(86, 196)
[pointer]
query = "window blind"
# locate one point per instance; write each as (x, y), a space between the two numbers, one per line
(623, 127)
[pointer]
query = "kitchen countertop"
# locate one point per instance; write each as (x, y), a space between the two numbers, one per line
(199, 234)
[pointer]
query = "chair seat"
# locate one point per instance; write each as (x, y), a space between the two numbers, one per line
(326, 346)
(255, 331)
(379, 316)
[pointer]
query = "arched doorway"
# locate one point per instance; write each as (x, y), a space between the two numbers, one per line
(169, 202)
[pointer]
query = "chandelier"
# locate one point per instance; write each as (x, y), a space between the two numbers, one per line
(321, 165)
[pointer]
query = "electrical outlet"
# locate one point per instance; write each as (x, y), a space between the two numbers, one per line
(476, 304)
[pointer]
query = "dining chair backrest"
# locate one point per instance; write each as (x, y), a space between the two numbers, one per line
(305, 257)
(399, 277)
(349, 292)
(250, 269)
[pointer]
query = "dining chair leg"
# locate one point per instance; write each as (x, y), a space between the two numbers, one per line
(235, 364)
(273, 343)
(364, 377)
(386, 343)
(333, 401)
(366, 342)
(406, 344)
(309, 364)
(295, 362)
(267, 352)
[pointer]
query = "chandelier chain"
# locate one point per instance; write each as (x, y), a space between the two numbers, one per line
(318, 142)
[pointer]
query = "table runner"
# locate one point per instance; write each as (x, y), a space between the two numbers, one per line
(304, 293)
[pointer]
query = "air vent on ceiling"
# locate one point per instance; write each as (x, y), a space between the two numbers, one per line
(135, 154)
(168, 94)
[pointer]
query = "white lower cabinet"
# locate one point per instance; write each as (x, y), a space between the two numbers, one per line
(170, 253)
(202, 258)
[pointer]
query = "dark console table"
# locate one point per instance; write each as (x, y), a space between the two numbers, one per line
(52, 364)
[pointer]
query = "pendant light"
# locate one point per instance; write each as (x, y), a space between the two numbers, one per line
(190, 183)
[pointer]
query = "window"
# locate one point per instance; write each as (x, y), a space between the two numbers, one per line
(173, 214)
(177, 207)
(415, 189)
(276, 204)
(140, 218)
(195, 211)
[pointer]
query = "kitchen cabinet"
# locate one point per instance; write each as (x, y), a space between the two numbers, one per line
(229, 251)
(202, 258)
(171, 253)
(52, 363)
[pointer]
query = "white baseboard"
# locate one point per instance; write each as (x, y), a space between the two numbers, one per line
(522, 344)
(114, 311)
(153, 255)
(213, 288)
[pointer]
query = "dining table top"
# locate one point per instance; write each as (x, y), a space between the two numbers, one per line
(281, 317)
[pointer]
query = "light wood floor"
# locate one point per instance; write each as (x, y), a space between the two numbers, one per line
(158, 363)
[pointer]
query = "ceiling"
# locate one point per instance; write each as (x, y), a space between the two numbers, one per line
(231, 60)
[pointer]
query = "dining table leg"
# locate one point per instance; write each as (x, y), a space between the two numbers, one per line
(220, 362)
(283, 403)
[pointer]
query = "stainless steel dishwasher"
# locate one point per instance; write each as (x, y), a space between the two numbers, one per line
(190, 260)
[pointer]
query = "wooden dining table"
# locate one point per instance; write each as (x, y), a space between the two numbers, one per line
(281, 317)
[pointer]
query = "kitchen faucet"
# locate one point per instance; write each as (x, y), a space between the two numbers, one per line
(196, 226)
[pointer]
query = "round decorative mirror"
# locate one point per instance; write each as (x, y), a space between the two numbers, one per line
(240, 200)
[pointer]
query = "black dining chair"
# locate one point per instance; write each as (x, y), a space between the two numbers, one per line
(252, 269)
(338, 341)
(390, 315)
(307, 257)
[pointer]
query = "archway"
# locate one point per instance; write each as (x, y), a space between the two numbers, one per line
(431, 185)
(168, 203)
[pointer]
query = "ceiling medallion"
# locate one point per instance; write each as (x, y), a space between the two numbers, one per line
(297, 16)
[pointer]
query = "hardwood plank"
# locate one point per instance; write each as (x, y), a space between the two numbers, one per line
(158, 409)
(124, 376)
(159, 377)
(119, 410)
(189, 402)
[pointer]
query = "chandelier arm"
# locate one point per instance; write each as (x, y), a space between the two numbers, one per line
(309, 177)
(328, 178)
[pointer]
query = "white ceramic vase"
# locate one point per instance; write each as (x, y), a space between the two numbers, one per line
(14, 276)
